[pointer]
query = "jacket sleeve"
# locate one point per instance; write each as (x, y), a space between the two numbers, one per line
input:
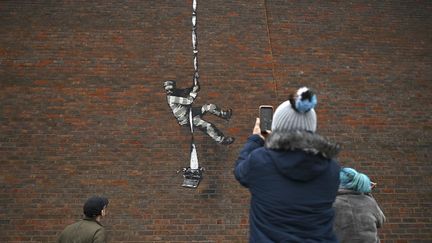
(379, 215)
(100, 236)
(244, 161)
(60, 238)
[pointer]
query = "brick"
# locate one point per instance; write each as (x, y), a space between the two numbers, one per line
(83, 111)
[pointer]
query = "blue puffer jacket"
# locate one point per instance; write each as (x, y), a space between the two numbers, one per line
(293, 182)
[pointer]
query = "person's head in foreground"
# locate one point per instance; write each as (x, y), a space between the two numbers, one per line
(297, 113)
(353, 180)
(294, 126)
(95, 207)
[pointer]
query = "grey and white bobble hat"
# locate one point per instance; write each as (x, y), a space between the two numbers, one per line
(297, 113)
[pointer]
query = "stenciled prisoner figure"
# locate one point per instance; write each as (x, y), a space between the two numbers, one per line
(180, 101)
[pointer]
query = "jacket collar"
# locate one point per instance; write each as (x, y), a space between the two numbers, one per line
(303, 140)
(344, 191)
(92, 220)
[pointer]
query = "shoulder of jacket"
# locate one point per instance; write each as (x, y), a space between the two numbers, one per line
(93, 224)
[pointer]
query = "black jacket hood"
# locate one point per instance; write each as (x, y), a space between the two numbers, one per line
(301, 155)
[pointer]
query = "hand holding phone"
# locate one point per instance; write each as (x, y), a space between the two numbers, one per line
(266, 118)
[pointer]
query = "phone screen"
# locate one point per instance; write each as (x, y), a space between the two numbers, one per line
(266, 117)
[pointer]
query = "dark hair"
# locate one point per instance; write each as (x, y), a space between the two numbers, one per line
(94, 205)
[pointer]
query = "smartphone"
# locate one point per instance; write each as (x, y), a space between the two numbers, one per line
(266, 117)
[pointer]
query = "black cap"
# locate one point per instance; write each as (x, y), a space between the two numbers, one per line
(94, 205)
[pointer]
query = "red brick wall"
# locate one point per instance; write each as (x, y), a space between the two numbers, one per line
(83, 112)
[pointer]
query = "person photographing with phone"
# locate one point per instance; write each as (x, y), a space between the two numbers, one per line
(292, 175)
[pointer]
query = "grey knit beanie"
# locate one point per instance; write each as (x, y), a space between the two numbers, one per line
(297, 113)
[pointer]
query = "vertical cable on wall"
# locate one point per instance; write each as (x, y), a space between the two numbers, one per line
(271, 50)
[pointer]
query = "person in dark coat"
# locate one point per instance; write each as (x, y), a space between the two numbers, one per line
(292, 176)
(358, 215)
(89, 229)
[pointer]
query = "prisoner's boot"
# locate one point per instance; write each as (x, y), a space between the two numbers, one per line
(227, 140)
(226, 114)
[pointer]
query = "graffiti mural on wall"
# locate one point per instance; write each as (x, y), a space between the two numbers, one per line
(181, 103)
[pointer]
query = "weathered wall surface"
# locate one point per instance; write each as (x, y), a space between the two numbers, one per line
(83, 111)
